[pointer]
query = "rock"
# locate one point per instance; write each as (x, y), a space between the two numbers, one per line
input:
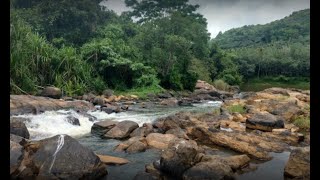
(18, 139)
(25, 104)
(121, 130)
(88, 97)
(150, 168)
(129, 103)
(72, 120)
(98, 101)
(136, 147)
(179, 157)
(235, 162)
(169, 102)
(164, 95)
(142, 131)
(124, 145)
(178, 132)
(237, 117)
(58, 158)
(160, 141)
(209, 170)
(52, 92)
(254, 145)
(107, 93)
(298, 165)
(204, 85)
(19, 128)
(20, 119)
(233, 125)
(112, 160)
(264, 121)
(281, 131)
(102, 127)
(16, 152)
(276, 90)
(107, 110)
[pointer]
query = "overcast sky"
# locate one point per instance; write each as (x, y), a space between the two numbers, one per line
(223, 15)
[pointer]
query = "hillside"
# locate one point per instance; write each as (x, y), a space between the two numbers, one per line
(293, 28)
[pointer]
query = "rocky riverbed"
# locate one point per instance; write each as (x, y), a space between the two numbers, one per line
(206, 134)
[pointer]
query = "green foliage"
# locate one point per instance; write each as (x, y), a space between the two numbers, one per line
(221, 85)
(294, 28)
(302, 122)
(74, 22)
(236, 108)
(34, 62)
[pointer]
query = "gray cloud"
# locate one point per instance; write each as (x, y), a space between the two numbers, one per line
(223, 15)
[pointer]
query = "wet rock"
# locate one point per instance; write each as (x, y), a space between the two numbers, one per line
(102, 127)
(52, 92)
(111, 160)
(25, 104)
(160, 141)
(298, 165)
(129, 103)
(20, 119)
(16, 152)
(179, 157)
(18, 139)
(264, 121)
(98, 100)
(72, 120)
(233, 125)
(58, 158)
(136, 147)
(121, 130)
(19, 128)
(169, 102)
(149, 168)
(236, 162)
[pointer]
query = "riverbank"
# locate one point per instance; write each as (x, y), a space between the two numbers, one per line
(189, 136)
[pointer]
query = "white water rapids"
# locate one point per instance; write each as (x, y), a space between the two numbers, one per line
(51, 123)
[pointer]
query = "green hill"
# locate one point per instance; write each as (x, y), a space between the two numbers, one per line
(293, 28)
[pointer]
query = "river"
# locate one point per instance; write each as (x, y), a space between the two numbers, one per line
(51, 123)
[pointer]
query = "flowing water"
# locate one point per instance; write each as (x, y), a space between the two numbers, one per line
(51, 123)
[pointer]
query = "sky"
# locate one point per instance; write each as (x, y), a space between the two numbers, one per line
(223, 15)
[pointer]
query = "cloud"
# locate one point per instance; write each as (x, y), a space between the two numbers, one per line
(223, 15)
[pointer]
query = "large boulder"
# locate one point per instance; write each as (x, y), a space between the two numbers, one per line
(264, 121)
(125, 144)
(181, 156)
(121, 130)
(204, 85)
(16, 152)
(19, 128)
(52, 92)
(98, 100)
(209, 170)
(58, 158)
(298, 165)
(180, 133)
(102, 127)
(107, 93)
(160, 141)
(25, 104)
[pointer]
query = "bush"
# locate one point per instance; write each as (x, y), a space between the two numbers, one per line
(221, 85)
(236, 108)
(302, 122)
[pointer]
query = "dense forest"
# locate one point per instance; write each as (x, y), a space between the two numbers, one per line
(82, 47)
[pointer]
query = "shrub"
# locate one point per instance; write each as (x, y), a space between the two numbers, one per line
(236, 108)
(221, 85)
(302, 122)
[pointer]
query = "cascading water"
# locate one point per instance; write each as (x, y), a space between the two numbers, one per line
(60, 143)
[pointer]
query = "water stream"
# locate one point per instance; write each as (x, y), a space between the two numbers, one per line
(51, 123)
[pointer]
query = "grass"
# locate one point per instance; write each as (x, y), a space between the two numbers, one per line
(220, 84)
(141, 92)
(236, 108)
(268, 82)
(302, 122)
